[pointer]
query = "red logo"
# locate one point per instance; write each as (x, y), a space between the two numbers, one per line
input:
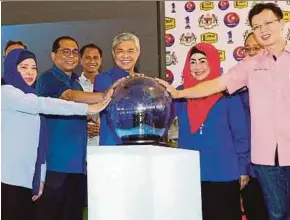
(223, 5)
(189, 6)
(169, 40)
(239, 53)
(169, 76)
(231, 19)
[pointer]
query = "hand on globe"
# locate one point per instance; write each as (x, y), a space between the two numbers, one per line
(170, 88)
(138, 74)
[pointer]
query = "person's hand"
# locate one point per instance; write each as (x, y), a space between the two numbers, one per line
(100, 106)
(138, 74)
(244, 181)
(35, 197)
(93, 128)
(170, 88)
(115, 85)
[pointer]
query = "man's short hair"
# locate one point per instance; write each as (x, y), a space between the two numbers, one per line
(56, 45)
(82, 50)
(120, 38)
(11, 42)
(258, 8)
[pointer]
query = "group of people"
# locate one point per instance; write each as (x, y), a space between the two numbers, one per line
(238, 122)
(44, 167)
(208, 106)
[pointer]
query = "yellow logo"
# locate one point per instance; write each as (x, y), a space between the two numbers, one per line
(209, 37)
(286, 16)
(240, 4)
(206, 6)
(169, 23)
(222, 54)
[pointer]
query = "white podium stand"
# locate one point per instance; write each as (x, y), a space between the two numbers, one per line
(143, 183)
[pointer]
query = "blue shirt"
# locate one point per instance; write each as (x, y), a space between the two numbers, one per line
(223, 140)
(104, 81)
(66, 135)
(244, 95)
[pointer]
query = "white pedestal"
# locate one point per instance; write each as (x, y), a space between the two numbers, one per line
(143, 183)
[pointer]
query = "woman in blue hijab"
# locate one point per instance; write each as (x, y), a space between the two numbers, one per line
(23, 133)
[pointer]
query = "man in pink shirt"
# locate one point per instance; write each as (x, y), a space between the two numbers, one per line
(267, 76)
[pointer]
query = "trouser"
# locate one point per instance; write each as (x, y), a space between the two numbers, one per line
(253, 201)
(16, 202)
(221, 200)
(63, 197)
(275, 183)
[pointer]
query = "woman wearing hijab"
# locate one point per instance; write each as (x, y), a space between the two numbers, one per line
(216, 127)
(23, 134)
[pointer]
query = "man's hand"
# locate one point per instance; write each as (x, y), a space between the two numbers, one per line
(35, 197)
(100, 106)
(93, 128)
(244, 181)
(170, 88)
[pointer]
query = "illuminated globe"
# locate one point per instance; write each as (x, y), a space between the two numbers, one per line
(140, 111)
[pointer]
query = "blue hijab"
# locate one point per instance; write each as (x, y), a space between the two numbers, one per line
(14, 78)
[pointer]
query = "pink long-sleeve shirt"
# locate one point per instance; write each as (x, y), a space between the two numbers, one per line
(269, 93)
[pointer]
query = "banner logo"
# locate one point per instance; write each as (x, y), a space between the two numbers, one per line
(230, 37)
(239, 53)
(187, 39)
(286, 16)
(288, 35)
(223, 5)
(206, 6)
(208, 21)
(240, 4)
(171, 58)
(173, 8)
(222, 54)
(231, 19)
(187, 22)
(189, 6)
(169, 40)
(169, 23)
(209, 38)
(169, 76)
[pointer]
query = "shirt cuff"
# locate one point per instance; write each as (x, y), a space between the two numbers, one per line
(43, 172)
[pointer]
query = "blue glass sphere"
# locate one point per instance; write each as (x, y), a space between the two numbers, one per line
(140, 111)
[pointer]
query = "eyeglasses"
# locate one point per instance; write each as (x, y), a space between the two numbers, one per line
(248, 49)
(67, 52)
(265, 25)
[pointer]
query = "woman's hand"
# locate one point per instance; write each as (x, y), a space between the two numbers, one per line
(170, 88)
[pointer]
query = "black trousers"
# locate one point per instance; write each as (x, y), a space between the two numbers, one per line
(253, 201)
(16, 202)
(63, 197)
(221, 200)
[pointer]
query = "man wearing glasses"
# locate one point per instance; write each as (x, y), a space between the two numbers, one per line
(267, 76)
(252, 47)
(64, 190)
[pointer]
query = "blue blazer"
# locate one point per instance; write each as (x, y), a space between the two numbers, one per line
(223, 140)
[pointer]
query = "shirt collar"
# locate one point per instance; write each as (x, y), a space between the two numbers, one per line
(62, 74)
(266, 52)
(83, 78)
